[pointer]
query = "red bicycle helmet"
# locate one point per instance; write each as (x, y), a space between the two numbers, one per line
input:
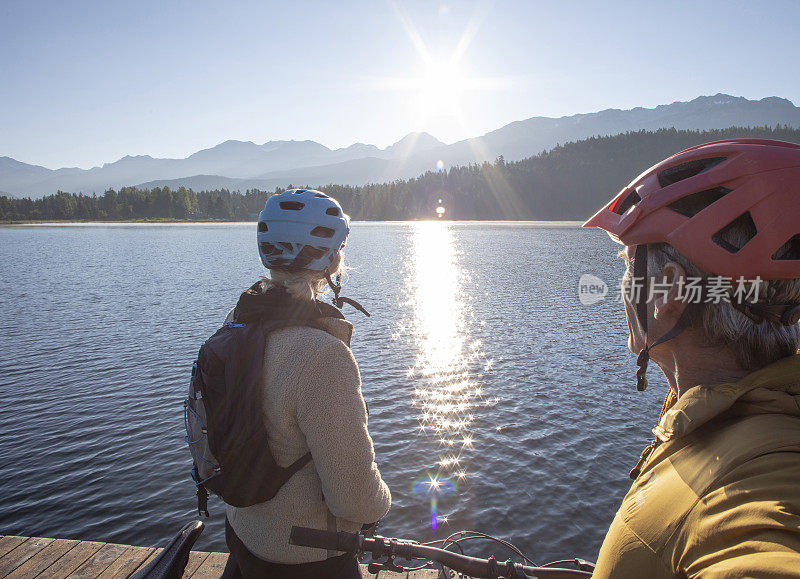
(690, 199)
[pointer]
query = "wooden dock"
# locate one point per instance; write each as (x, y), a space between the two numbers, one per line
(22, 557)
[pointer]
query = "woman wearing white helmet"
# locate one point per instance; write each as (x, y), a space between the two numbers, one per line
(312, 402)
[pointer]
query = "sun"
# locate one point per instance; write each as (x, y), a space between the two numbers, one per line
(442, 83)
(441, 88)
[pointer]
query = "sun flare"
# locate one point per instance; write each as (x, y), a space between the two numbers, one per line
(441, 88)
(443, 85)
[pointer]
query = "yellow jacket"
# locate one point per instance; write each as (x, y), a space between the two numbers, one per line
(719, 496)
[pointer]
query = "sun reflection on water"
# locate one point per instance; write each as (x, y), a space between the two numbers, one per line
(450, 362)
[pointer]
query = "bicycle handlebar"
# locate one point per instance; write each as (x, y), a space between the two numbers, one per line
(172, 560)
(390, 547)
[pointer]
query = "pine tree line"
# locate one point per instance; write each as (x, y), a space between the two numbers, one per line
(570, 181)
(130, 203)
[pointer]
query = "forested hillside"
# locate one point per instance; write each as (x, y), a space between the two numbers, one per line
(570, 181)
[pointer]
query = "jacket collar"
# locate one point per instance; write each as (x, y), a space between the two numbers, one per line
(774, 389)
(263, 301)
(338, 328)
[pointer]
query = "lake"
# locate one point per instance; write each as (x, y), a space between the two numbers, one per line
(483, 372)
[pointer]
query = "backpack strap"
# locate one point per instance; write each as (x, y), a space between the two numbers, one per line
(298, 464)
(275, 304)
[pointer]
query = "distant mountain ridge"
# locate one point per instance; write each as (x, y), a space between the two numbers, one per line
(237, 159)
(244, 164)
(569, 182)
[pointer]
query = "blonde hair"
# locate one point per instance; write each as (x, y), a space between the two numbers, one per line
(304, 284)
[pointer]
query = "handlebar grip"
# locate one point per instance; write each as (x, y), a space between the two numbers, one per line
(328, 540)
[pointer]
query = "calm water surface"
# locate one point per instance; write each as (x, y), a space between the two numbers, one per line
(498, 402)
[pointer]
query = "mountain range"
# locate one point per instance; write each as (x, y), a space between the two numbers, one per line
(240, 165)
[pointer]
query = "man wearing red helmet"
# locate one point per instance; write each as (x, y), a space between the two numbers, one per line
(717, 493)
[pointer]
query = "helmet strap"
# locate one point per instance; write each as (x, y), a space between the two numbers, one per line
(684, 321)
(339, 301)
(336, 286)
(640, 273)
(767, 309)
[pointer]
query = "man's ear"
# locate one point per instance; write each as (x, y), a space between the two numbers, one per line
(670, 302)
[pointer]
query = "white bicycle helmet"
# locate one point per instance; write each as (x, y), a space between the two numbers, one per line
(301, 229)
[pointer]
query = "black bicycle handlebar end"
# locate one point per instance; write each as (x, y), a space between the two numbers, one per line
(328, 540)
(172, 560)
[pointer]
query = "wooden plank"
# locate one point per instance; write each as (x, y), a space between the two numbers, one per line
(128, 562)
(153, 554)
(22, 553)
(10, 542)
(100, 561)
(418, 574)
(30, 557)
(45, 558)
(196, 559)
(212, 566)
(73, 559)
(25, 557)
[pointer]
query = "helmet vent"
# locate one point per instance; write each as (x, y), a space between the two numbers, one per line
(686, 170)
(736, 234)
(332, 211)
(321, 195)
(306, 256)
(286, 245)
(789, 251)
(268, 249)
(322, 232)
(292, 205)
(262, 227)
(298, 191)
(632, 199)
(314, 252)
(693, 204)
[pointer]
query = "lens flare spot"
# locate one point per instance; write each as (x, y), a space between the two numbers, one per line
(433, 486)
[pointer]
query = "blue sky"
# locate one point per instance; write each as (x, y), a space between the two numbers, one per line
(85, 83)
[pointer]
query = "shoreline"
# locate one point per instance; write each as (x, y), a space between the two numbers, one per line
(85, 221)
(56, 222)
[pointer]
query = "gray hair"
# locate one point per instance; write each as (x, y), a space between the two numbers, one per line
(304, 284)
(754, 345)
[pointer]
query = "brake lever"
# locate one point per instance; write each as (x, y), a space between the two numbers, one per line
(389, 548)
(388, 565)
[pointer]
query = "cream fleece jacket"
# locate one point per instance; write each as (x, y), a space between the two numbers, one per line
(312, 402)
